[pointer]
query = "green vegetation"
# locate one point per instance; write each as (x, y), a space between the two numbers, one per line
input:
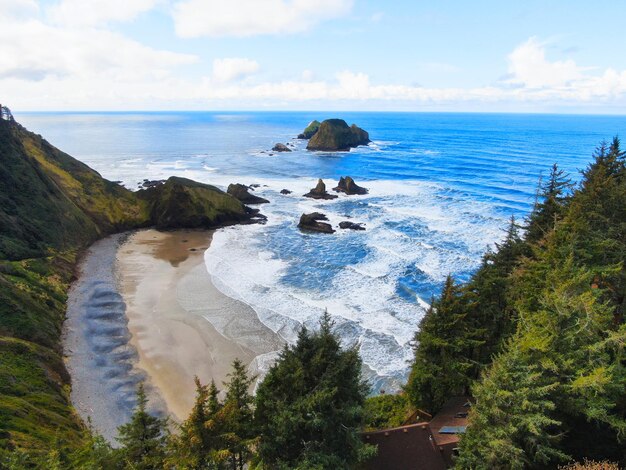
(51, 207)
(310, 405)
(335, 135)
(386, 411)
(537, 335)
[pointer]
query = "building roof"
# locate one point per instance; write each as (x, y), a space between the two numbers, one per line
(451, 421)
(405, 447)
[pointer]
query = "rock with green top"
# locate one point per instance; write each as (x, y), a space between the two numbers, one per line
(336, 135)
(310, 130)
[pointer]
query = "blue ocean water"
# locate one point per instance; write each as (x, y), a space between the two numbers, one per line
(442, 187)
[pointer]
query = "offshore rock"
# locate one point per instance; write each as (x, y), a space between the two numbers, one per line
(351, 225)
(240, 191)
(310, 130)
(348, 186)
(335, 135)
(281, 148)
(319, 192)
(311, 222)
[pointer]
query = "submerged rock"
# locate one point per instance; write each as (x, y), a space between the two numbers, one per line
(319, 192)
(310, 130)
(281, 148)
(285, 191)
(335, 135)
(351, 225)
(312, 223)
(240, 191)
(348, 186)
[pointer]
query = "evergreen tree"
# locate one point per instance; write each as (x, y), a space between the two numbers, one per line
(198, 443)
(569, 298)
(443, 351)
(309, 406)
(238, 417)
(510, 427)
(143, 438)
(95, 453)
(550, 206)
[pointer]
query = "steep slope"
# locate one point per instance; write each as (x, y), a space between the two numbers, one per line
(51, 207)
(51, 200)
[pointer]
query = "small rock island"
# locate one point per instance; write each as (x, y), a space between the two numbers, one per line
(311, 222)
(336, 135)
(319, 191)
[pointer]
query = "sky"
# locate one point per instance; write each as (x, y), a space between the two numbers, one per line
(563, 56)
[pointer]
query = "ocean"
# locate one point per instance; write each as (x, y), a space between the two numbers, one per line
(442, 188)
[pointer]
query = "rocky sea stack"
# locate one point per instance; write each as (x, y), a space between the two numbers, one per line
(310, 130)
(348, 186)
(240, 191)
(311, 222)
(319, 192)
(336, 135)
(281, 148)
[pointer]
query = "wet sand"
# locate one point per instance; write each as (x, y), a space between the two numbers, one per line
(144, 309)
(172, 308)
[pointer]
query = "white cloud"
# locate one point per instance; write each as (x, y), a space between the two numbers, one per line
(529, 67)
(18, 9)
(194, 18)
(48, 67)
(97, 12)
(31, 51)
(233, 68)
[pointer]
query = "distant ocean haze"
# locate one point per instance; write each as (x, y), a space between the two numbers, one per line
(441, 189)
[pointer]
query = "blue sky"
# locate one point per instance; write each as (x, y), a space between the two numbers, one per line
(532, 56)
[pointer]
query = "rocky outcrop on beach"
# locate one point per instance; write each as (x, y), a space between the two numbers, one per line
(241, 192)
(348, 186)
(310, 130)
(336, 135)
(311, 222)
(351, 225)
(183, 203)
(281, 148)
(319, 192)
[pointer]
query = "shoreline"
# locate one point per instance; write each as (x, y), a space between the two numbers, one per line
(144, 309)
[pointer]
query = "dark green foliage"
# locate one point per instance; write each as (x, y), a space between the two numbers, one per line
(443, 351)
(386, 411)
(511, 428)
(335, 135)
(237, 416)
(143, 438)
(182, 203)
(550, 206)
(199, 442)
(559, 387)
(309, 408)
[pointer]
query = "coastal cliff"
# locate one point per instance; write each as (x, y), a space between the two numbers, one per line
(52, 207)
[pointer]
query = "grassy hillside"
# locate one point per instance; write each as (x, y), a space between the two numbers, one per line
(51, 207)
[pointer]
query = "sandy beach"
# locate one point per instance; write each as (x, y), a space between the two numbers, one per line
(144, 309)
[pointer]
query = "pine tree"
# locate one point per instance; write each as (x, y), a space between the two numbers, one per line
(198, 445)
(143, 438)
(309, 406)
(238, 417)
(443, 351)
(550, 207)
(510, 427)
